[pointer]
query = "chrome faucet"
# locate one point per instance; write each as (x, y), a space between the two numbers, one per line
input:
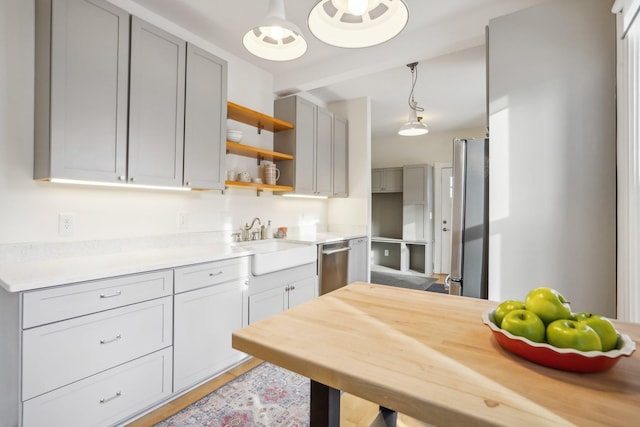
(248, 235)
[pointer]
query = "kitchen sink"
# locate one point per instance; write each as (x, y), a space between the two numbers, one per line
(273, 255)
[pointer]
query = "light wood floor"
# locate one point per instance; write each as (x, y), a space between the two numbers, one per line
(354, 412)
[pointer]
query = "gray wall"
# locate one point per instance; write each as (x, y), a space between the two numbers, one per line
(552, 153)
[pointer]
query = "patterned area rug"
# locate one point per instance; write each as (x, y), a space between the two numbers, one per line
(265, 396)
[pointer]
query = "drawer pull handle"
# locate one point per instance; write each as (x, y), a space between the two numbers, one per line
(216, 274)
(117, 337)
(115, 294)
(109, 399)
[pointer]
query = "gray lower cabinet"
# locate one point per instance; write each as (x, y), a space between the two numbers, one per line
(276, 292)
(358, 260)
(312, 143)
(156, 106)
(96, 352)
(81, 84)
(205, 113)
(210, 303)
(110, 103)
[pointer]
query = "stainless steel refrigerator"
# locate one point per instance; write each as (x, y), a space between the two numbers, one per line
(470, 219)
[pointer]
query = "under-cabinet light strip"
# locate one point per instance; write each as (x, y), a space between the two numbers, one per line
(113, 185)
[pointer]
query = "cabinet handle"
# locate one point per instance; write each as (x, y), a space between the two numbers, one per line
(216, 274)
(292, 288)
(188, 183)
(131, 179)
(116, 338)
(115, 294)
(287, 289)
(109, 399)
(121, 178)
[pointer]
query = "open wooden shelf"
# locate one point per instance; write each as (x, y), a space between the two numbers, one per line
(253, 118)
(258, 187)
(255, 152)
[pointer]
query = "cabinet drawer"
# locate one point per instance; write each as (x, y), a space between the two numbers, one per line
(211, 273)
(64, 302)
(105, 398)
(57, 354)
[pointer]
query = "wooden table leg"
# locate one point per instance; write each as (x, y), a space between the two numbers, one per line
(325, 406)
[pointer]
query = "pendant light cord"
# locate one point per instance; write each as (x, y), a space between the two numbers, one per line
(414, 79)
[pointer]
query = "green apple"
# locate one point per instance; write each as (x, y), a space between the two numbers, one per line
(603, 327)
(548, 304)
(524, 323)
(566, 333)
(505, 307)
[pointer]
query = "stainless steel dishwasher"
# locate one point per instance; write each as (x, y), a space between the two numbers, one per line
(333, 265)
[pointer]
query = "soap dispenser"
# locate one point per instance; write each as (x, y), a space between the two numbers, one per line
(269, 231)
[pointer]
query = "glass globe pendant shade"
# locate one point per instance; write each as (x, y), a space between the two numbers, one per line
(275, 38)
(357, 23)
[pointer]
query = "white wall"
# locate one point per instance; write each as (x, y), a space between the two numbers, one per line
(552, 153)
(30, 209)
(354, 212)
(410, 150)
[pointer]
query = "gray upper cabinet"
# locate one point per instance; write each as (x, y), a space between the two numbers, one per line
(311, 142)
(324, 153)
(81, 82)
(205, 113)
(340, 157)
(156, 106)
(386, 180)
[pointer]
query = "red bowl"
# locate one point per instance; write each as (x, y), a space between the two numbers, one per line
(567, 359)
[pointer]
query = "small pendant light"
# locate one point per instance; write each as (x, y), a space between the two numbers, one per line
(357, 23)
(414, 126)
(275, 38)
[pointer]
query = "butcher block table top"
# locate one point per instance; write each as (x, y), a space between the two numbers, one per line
(429, 356)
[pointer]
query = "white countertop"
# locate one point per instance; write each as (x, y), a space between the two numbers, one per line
(33, 274)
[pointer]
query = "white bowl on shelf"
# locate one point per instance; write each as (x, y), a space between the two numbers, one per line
(234, 135)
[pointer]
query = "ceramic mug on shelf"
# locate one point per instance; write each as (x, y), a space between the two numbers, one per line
(244, 176)
(231, 175)
(271, 174)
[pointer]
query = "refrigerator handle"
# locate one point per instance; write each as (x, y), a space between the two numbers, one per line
(457, 207)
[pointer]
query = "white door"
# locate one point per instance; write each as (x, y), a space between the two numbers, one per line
(446, 197)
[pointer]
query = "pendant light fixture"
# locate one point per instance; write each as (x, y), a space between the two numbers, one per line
(275, 38)
(357, 23)
(414, 126)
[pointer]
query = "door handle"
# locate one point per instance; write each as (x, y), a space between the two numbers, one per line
(445, 229)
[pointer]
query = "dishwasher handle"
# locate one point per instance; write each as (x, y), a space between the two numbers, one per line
(335, 251)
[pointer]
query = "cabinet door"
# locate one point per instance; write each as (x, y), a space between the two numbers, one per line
(82, 69)
(376, 180)
(392, 180)
(414, 184)
(204, 122)
(358, 261)
(267, 303)
(413, 222)
(305, 142)
(324, 153)
(156, 106)
(302, 291)
(340, 158)
(204, 321)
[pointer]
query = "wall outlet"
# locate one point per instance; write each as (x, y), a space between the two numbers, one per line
(66, 224)
(182, 221)
(386, 252)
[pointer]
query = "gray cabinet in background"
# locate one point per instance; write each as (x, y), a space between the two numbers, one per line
(386, 180)
(319, 167)
(358, 260)
(417, 203)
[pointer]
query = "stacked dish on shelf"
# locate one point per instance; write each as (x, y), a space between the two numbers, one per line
(234, 135)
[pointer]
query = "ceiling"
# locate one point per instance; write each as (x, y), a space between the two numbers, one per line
(445, 37)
